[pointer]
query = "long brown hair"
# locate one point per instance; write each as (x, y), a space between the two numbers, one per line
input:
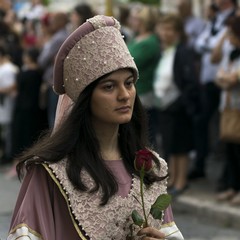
(76, 141)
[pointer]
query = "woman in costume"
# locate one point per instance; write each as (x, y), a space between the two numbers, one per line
(80, 182)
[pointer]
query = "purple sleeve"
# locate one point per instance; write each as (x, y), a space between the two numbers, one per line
(168, 216)
(42, 208)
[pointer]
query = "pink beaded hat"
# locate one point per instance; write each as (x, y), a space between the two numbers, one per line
(94, 49)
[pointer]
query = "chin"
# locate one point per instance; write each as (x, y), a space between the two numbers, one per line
(126, 120)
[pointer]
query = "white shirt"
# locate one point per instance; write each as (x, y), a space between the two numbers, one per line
(193, 28)
(207, 41)
(226, 67)
(36, 12)
(8, 73)
(165, 90)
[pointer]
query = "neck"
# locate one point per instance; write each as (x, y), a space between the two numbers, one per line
(31, 66)
(167, 45)
(227, 7)
(143, 34)
(107, 136)
(4, 60)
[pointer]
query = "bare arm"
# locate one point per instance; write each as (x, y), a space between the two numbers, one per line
(227, 80)
(8, 90)
(217, 53)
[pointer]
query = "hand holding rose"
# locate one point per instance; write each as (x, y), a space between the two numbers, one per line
(150, 233)
(144, 164)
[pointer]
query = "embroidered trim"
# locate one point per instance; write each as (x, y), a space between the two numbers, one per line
(23, 236)
(95, 222)
(172, 232)
(65, 195)
(23, 225)
(168, 224)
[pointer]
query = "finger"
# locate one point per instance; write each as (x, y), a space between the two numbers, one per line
(151, 232)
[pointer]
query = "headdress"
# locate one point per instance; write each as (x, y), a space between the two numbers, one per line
(94, 49)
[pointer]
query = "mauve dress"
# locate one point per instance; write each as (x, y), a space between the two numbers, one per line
(42, 212)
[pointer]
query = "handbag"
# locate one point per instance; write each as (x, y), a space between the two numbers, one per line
(230, 123)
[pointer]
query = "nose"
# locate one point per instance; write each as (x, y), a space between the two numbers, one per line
(123, 93)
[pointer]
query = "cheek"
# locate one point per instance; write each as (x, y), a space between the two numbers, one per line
(99, 106)
(133, 95)
(170, 34)
(74, 18)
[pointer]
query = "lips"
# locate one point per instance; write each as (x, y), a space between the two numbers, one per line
(123, 108)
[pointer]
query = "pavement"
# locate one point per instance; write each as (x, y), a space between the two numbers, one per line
(202, 203)
(198, 199)
(9, 189)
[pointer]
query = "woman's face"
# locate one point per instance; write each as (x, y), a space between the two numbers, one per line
(167, 34)
(75, 19)
(113, 98)
(134, 21)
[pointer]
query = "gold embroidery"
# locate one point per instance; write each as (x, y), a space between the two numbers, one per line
(170, 224)
(66, 199)
(29, 229)
(22, 236)
(171, 233)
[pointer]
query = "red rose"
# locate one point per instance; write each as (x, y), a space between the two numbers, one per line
(143, 159)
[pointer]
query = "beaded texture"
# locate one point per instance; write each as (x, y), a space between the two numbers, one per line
(113, 220)
(96, 54)
(99, 22)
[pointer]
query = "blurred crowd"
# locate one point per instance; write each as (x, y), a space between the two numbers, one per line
(188, 68)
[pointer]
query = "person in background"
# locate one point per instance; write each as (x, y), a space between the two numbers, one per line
(34, 11)
(211, 12)
(227, 79)
(79, 15)
(13, 21)
(57, 28)
(237, 11)
(8, 72)
(80, 180)
(11, 39)
(145, 50)
(210, 92)
(123, 17)
(26, 117)
(193, 26)
(175, 98)
(26, 125)
(29, 34)
(44, 31)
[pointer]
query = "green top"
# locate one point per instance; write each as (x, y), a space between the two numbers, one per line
(146, 54)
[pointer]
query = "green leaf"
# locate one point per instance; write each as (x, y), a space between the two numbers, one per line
(137, 218)
(156, 213)
(163, 201)
(160, 205)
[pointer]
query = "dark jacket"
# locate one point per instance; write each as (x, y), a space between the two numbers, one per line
(185, 77)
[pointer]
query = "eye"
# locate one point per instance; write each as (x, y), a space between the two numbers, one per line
(108, 87)
(129, 83)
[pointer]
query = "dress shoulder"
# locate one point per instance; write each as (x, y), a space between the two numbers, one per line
(40, 211)
(163, 171)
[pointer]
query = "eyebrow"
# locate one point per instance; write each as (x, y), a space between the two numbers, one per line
(108, 78)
